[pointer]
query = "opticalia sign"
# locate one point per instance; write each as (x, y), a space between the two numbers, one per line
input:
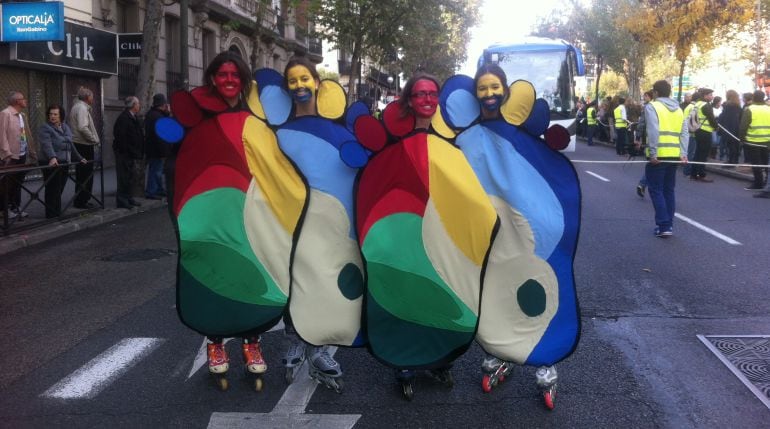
(32, 22)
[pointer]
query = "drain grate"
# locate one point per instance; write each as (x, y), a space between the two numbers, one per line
(748, 357)
(138, 255)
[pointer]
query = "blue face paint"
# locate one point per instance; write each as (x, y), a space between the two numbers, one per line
(498, 101)
(301, 95)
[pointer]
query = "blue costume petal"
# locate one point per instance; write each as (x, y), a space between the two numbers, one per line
(275, 99)
(169, 130)
(459, 106)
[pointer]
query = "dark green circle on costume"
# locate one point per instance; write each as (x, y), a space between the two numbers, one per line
(351, 282)
(531, 297)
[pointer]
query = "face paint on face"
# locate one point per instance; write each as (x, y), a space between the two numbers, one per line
(227, 81)
(490, 92)
(424, 98)
(302, 85)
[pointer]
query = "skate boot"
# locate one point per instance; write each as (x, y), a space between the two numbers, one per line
(406, 378)
(546, 381)
(495, 370)
(442, 375)
(323, 368)
(255, 363)
(293, 360)
(218, 364)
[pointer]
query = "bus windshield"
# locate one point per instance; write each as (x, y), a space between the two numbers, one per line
(549, 72)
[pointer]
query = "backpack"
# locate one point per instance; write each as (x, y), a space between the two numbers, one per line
(693, 124)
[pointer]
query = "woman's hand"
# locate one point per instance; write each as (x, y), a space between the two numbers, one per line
(53, 162)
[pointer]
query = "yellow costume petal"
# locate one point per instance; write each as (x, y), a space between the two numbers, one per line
(254, 104)
(440, 126)
(331, 100)
(517, 108)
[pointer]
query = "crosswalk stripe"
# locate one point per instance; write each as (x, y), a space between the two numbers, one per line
(99, 372)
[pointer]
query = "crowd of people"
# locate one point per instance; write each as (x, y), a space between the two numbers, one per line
(73, 139)
(725, 132)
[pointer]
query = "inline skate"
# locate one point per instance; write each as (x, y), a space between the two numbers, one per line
(293, 360)
(323, 368)
(442, 375)
(406, 378)
(546, 381)
(495, 370)
(254, 362)
(219, 363)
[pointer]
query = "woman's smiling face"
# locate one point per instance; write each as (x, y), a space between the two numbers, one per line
(490, 91)
(302, 85)
(424, 98)
(227, 81)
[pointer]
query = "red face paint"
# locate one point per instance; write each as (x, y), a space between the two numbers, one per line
(227, 81)
(424, 98)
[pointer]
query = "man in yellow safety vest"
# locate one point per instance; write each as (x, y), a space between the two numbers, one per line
(754, 132)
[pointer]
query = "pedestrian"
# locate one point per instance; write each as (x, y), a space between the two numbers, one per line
(687, 109)
(156, 149)
(621, 127)
(667, 140)
(591, 122)
(755, 134)
(15, 149)
(640, 141)
(703, 135)
(86, 140)
(56, 148)
(129, 148)
(729, 125)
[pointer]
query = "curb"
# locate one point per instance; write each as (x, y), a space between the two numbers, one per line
(52, 231)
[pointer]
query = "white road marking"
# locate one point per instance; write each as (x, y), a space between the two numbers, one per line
(597, 176)
(99, 372)
(201, 357)
(706, 229)
(289, 411)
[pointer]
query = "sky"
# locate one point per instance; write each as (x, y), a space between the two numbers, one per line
(497, 25)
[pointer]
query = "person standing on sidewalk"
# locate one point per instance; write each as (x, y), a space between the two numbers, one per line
(621, 127)
(591, 122)
(14, 149)
(729, 125)
(86, 139)
(129, 147)
(667, 139)
(56, 148)
(640, 141)
(703, 135)
(157, 150)
(755, 134)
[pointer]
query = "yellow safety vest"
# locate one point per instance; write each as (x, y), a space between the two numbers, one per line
(590, 116)
(705, 125)
(759, 128)
(669, 129)
(619, 122)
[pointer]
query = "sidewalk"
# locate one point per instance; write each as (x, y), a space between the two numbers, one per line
(84, 220)
(740, 173)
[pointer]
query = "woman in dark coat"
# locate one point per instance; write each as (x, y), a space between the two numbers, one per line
(56, 148)
(730, 120)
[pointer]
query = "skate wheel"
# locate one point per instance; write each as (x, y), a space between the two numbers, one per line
(548, 396)
(408, 390)
(221, 383)
(339, 385)
(486, 383)
(258, 384)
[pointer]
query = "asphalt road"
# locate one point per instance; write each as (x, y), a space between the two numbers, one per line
(92, 338)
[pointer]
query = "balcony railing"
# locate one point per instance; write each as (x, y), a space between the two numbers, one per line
(315, 45)
(128, 75)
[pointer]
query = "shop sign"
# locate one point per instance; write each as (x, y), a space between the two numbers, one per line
(129, 45)
(83, 48)
(32, 22)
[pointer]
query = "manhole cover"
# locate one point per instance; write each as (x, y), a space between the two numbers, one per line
(748, 357)
(139, 255)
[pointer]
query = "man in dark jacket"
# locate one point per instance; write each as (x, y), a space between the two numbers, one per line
(708, 123)
(128, 147)
(157, 150)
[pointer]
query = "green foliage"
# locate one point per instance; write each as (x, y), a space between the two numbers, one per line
(328, 74)
(612, 84)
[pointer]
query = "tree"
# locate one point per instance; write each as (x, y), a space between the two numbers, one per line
(685, 24)
(153, 17)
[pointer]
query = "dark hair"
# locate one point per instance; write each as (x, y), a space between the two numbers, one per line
(240, 65)
(406, 93)
(621, 100)
(747, 96)
(649, 94)
(300, 61)
(55, 106)
(493, 69)
(662, 87)
(759, 96)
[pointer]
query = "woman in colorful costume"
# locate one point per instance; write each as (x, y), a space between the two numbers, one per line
(425, 227)
(529, 311)
(326, 270)
(238, 201)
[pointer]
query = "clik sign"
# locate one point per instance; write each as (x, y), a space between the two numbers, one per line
(31, 22)
(82, 48)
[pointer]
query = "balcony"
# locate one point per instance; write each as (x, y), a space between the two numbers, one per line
(315, 45)
(128, 75)
(344, 67)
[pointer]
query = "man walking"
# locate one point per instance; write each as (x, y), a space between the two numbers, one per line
(14, 149)
(128, 146)
(157, 149)
(667, 139)
(708, 124)
(621, 127)
(86, 139)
